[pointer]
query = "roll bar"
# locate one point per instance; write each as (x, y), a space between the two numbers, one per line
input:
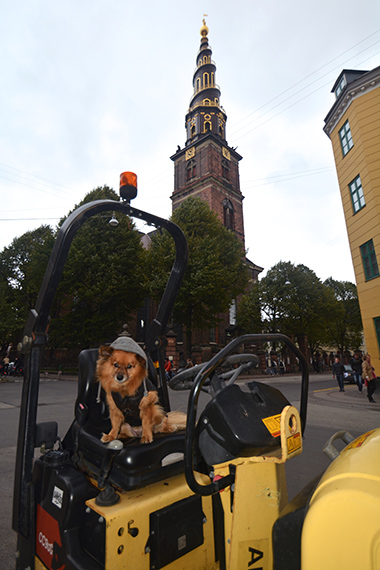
(35, 336)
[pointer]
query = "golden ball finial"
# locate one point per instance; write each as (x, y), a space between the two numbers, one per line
(204, 29)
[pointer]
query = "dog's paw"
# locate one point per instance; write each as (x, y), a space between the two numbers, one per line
(106, 437)
(148, 400)
(146, 438)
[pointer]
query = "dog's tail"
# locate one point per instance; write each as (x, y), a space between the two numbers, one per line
(177, 420)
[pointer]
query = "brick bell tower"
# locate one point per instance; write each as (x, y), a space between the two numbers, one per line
(207, 167)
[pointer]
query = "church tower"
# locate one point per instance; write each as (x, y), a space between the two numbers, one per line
(207, 167)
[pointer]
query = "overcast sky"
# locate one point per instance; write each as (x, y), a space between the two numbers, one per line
(92, 88)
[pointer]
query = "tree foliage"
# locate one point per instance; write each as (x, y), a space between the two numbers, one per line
(292, 300)
(216, 273)
(344, 326)
(249, 310)
(102, 281)
(22, 267)
(108, 273)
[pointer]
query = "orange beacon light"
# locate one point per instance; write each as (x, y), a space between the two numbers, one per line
(128, 185)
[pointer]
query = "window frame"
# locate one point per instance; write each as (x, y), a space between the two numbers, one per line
(355, 188)
(376, 322)
(369, 260)
(345, 137)
(191, 169)
(342, 84)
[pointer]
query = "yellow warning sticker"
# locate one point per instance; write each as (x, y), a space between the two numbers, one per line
(294, 442)
(358, 442)
(273, 425)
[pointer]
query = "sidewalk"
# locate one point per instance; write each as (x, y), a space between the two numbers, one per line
(351, 396)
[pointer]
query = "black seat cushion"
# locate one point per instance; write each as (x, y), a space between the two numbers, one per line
(136, 464)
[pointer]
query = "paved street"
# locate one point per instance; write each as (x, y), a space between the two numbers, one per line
(328, 411)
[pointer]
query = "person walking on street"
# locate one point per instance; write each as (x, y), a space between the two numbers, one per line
(168, 369)
(368, 373)
(356, 365)
(338, 372)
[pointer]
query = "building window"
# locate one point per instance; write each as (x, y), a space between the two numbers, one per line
(371, 269)
(192, 128)
(357, 195)
(346, 138)
(377, 329)
(341, 86)
(190, 169)
(228, 214)
(225, 169)
(233, 313)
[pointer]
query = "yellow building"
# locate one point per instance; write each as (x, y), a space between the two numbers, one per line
(353, 125)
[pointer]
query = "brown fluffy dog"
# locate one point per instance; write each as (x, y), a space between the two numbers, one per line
(132, 398)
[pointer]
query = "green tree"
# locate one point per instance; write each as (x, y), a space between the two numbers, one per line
(249, 310)
(344, 324)
(216, 273)
(103, 280)
(22, 267)
(295, 302)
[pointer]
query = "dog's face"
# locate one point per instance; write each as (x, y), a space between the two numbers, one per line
(120, 371)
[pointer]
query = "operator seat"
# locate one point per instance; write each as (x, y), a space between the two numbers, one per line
(137, 464)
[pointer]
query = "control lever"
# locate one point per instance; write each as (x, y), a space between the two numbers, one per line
(112, 450)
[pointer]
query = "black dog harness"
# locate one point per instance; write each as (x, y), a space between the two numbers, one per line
(129, 405)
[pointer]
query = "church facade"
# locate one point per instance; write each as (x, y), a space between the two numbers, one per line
(208, 168)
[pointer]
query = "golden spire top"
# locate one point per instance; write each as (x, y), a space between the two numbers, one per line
(204, 28)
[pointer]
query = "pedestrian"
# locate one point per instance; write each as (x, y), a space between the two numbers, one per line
(368, 373)
(338, 372)
(168, 369)
(5, 364)
(189, 363)
(356, 365)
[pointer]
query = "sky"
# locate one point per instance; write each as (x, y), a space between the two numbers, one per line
(92, 88)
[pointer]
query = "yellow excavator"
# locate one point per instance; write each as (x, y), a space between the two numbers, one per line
(211, 497)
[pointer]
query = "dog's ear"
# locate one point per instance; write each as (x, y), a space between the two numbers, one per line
(105, 351)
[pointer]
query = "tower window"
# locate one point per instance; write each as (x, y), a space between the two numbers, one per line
(192, 128)
(228, 214)
(206, 79)
(225, 169)
(191, 169)
(346, 138)
(371, 268)
(357, 195)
